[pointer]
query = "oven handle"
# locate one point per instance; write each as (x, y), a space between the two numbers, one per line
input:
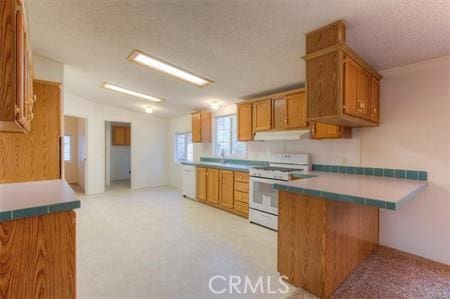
(262, 180)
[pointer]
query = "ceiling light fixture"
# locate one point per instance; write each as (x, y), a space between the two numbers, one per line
(214, 105)
(130, 92)
(149, 110)
(159, 65)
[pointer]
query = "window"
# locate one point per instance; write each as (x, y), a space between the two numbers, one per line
(183, 147)
(226, 137)
(67, 147)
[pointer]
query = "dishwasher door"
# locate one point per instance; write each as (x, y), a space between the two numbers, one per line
(189, 181)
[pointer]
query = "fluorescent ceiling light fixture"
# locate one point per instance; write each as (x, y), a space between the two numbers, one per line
(214, 105)
(130, 92)
(149, 110)
(159, 65)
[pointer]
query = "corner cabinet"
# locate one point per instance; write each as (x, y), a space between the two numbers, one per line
(327, 131)
(201, 127)
(16, 75)
(342, 88)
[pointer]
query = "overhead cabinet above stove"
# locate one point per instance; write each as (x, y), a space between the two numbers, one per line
(342, 88)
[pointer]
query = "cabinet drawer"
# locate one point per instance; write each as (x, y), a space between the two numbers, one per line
(241, 177)
(241, 207)
(240, 196)
(240, 186)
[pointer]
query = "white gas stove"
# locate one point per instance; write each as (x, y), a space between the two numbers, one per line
(263, 199)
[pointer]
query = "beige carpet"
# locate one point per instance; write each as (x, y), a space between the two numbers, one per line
(390, 273)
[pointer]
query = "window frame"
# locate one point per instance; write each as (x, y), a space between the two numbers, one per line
(187, 135)
(232, 154)
(70, 148)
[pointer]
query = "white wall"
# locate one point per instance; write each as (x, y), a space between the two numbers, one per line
(415, 134)
(177, 125)
(149, 150)
(47, 69)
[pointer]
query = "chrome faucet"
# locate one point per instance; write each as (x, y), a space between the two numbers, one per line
(222, 155)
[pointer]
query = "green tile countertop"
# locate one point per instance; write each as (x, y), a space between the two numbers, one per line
(382, 192)
(30, 199)
(225, 166)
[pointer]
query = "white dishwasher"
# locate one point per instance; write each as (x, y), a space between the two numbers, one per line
(189, 181)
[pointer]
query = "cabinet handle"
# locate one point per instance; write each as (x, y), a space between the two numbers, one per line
(34, 98)
(285, 120)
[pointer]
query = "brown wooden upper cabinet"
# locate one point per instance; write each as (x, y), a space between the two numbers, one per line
(289, 111)
(327, 131)
(244, 121)
(342, 88)
(262, 115)
(201, 127)
(121, 135)
(16, 76)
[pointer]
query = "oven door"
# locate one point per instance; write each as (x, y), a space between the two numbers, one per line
(263, 196)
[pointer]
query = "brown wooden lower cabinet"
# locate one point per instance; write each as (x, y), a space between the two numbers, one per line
(38, 257)
(226, 188)
(321, 241)
(212, 185)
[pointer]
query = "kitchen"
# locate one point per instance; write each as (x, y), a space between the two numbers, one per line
(327, 154)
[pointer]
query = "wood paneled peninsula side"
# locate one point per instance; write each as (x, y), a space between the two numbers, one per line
(38, 240)
(328, 224)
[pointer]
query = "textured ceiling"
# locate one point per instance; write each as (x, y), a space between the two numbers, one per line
(246, 47)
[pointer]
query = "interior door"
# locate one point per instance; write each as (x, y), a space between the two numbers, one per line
(212, 185)
(226, 188)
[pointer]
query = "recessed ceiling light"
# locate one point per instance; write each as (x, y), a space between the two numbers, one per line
(149, 110)
(214, 105)
(130, 92)
(159, 65)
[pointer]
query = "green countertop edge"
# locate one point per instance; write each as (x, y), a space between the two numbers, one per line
(39, 210)
(353, 199)
(235, 167)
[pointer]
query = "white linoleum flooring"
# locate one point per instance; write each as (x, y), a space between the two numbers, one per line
(153, 243)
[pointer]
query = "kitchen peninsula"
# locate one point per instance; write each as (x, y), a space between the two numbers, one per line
(328, 221)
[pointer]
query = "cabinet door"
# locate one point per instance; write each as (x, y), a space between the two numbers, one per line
(205, 127)
(262, 115)
(279, 113)
(375, 100)
(351, 71)
(119, 135)
(244, 121)
(21, 100)
(196, 128)
(212, 185)
(296, 111)
(201, 183)
(226, 188)
(364, 86)
(127, 136)
(324, 131)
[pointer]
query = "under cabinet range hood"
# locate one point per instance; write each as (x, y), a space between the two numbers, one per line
(282, 135)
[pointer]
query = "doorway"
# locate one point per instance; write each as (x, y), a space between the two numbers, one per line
(117, 156)
(74, 153)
